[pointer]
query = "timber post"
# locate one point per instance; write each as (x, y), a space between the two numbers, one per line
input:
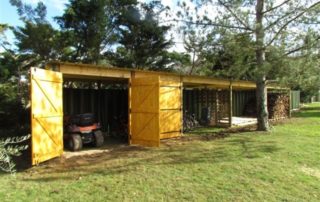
(230, 104)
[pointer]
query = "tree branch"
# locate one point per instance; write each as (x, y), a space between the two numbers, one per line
(290, 21)
(300, 48)
(277, 20)
(235, 15)
(276, 7)
(211, 24)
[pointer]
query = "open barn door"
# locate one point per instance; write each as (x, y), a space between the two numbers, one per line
(47, 115)
(144, 111)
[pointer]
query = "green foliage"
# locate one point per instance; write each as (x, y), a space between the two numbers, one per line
(8, 149)
(90, 26)
(8, 67)
(37, 39)
(14, 93)
(231, 56)
(3, 39)
(235, 36)
(13, 111)
(178, 61)
(29, 14)
(142, 40)
(195, 44)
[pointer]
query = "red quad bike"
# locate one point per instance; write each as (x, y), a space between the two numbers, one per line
(82, 129)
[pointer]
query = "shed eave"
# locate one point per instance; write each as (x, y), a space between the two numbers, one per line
(85, 71)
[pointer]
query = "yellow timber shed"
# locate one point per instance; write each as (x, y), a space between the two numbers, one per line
(154, 103)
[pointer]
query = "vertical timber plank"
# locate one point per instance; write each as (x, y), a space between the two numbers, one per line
(230, 104)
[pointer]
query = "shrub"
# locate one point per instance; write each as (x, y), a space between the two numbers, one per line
(10, 147)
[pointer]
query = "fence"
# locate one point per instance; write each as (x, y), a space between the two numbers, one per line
(295, 100)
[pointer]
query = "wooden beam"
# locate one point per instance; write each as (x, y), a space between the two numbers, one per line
(230, 104)
(216, 83)
(216, 108)
(290, 100)
(204, 81)
(81, 71)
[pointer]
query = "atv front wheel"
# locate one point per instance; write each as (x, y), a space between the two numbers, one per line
(98, 138)
(75, 142)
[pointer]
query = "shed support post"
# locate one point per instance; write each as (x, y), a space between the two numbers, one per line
(216, 107)
(290, 103)
(230, 104)
(181, 107)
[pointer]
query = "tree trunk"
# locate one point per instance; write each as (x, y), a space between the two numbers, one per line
(262, 107)
(261, 92)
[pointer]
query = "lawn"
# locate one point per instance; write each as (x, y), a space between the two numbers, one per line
(281, 165)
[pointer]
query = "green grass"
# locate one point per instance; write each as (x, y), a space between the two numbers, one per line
(281, 165)
(204, 131)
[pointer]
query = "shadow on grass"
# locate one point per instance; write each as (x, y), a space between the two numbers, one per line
(131, 159)
(204, 130)
(311, 108)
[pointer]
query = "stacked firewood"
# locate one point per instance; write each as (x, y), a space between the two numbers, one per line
(223, 104)
(278, 106)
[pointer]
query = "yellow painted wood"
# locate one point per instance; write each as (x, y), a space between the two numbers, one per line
(47, 115)
(170, 121)
(216, 83)
(84, 71)
(170, 107)
(170, 97)
(145, 111)
(129, 114)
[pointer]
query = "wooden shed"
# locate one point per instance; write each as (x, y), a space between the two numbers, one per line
(155, 102)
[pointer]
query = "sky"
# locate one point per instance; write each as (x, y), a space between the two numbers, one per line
(8, 15)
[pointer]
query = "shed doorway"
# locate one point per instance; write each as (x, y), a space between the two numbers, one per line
(210, 108)
(106, 99)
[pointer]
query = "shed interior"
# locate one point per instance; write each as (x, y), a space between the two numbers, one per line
(205, 106)
(106, 98)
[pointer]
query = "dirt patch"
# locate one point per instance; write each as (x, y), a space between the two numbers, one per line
(311, 171)
(68, 154)
(70, 160)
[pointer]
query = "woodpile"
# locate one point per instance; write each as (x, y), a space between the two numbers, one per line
(222, 105)
(278, 106)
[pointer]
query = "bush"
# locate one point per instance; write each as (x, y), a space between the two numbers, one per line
(9, 148)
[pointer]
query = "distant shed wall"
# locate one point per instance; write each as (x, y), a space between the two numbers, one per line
(295, 100)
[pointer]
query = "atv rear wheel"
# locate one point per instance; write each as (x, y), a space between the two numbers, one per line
(75, 142)
(98, 138)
